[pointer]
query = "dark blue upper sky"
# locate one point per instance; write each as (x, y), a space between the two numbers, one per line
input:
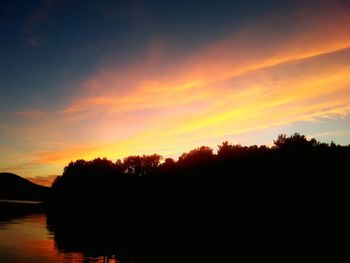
(47, 46)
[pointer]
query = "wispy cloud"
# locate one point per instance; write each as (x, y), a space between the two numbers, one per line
(179, 118)
(256, 79)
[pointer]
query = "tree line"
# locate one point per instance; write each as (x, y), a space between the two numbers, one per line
(232, 164)
(150, 208)
(146, 165)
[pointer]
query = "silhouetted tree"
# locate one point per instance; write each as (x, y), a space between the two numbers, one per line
(119, 166)
(169, 163)
(149, 163)
(227, 150)
(201, 155)
(294, 142)
(141, 165)
(132, 165)
(140, 182)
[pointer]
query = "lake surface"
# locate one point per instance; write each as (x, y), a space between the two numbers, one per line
(35, 233)
(26, 238)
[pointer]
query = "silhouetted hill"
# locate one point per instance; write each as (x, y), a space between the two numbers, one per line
(15, 187)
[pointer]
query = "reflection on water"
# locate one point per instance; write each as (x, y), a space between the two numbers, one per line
(25, 238)
(31, 233)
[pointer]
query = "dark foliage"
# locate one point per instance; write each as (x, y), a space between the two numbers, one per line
(250, 202)
(205, 206)
(293, 162)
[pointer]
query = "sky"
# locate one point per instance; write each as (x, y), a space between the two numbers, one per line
(87, 79)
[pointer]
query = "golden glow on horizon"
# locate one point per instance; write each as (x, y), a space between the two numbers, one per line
(257, 108)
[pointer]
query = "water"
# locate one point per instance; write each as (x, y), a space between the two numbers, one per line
(26, 238)
(33, 233)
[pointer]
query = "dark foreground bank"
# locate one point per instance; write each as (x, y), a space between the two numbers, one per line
(280, 203)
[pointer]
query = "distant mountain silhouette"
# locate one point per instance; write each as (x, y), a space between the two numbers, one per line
(15, 187)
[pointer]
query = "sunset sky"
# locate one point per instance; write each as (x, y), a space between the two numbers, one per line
(86, 79)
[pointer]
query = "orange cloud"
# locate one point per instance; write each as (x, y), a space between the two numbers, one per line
(251, 103)
(251, 80)
(42, 180)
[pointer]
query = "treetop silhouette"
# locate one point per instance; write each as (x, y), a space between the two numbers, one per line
(292, 160)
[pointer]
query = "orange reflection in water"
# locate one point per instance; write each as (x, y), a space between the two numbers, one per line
(27, 240)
